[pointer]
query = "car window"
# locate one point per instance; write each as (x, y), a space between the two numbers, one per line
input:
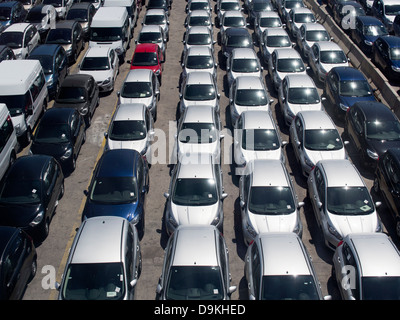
(350, 262)
(129, 263)
(256, 269)
(299, 129)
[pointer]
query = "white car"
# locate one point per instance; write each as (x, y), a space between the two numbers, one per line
(314, 137)
(256, 136)
(247, 93)
(271, 39)
(265, 20)
(298, 93)
(103, 64)
(131, 127)
(341, 201)
(232, 19)
(298, 16)
(324, 56)
(225, 6)
(268, 200)
(309, 34)
(199, 131)
(153, 34)
(157, 17)
(22, 38)
(199, 18)
(198, 36)
(198, 59)
(243, 62)
(283, 62)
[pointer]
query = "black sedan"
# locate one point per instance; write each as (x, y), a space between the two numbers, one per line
(386, 56)
(29, 194)
(372, 128)
(81, 92)
(18, 262)
(60, 133)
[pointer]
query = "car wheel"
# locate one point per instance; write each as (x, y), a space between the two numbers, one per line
(33, 269)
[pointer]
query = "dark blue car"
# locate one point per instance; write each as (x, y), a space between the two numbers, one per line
(11, 12)
(386, 56)
(367, 30)
(118, 188)
(54, 61)
(345, 86)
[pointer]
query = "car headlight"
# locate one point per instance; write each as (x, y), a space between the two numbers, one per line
(343, 106)
(119, 51)
(395, 69)
(172, 221)
(107, 81)
(84, 110)
(226, 54)
(158, 72)
(37, 219)
(67, 154)
(134, 219)
(250, 229)
(334, 232)
(372, 154)
(308, 162)
(368, 43)
(378, 227)
(50, 81)
(215, 221)
(18, 55)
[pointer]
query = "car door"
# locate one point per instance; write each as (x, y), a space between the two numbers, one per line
(78, 131)
(331, 88)
(314, 59)
(254, 285)
(114, 63)
(298, 130)
(390, 185)
(50, 196)
(317, 194)
(354, 127)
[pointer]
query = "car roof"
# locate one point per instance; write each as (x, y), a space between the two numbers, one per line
(81, 5)
(117, 163)
(151, 28)
(375, 110)
(348, 73)
(199, 13)
(146, 47)
(369, 20)
(340, 173)
(283, 53)
(257, 119)
(40, 7)
(392, 41)
(243, 53)
(199, 77)
(139, 75)
(316, 119)
(17, 27)
(299, 80)
(233, 13)
(76, 80)
(98, 51)
(103, 232)
(130, 111)
(328, 45)
(249, 82)
(195, 113)
(268, 172)
(66, 24)
(8, 4)
(195, 245)
(57, 115)
(377, 254)
(283, 254)
(45, 49)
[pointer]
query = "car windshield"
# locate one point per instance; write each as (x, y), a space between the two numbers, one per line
(271, 200)
(54, 3)
(383, 130)
(21, 191)
(290, 65)
(358, 88)
(94, 281)
(197, 132)
(376, 30)
(260, 140)
(199, 21)
(114, 190)
(61, 36)
(380, 288)
(199, 39)
(52, 133)
(154, 19)
(394, 53)
(262, 6)
(294, 4)
(46, 62)
(34, 16)
(17, 103)
(157, 4)
(11, 39)
(392, 9)
(199, 92)
(332, 57)
(127, 130)
(5, 14)
(245, 65)
(322, 140)
(238, 41)
(150, 37)
(80, 15)
(304, 18)
(194, 192)
(317, 35)
(199, 6)
(278, 41)
(251, 97)
(228, 6)
(234, 22)
(95, 63)
(145, 59)
(270, 22)
(303, 96)
(136, 90)
(105, 34)
(199, 62)
(71, 95)
(195, 283)
(289, 287)
(349, 201)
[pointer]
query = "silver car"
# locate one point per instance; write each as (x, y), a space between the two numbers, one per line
(198, 36)
(298, 16)
(367, 267)
(199, 58)
(309, 34)
(196, 193)
(314, 137)
(198, 18)
(271, 39)
(157, 17)
(153, 34)
(265, 20)
(225, 6)
(107, 274)
(278, 267)
(196, 266)
(243, 62)
(298, 93)
(268, 201)
(284, 7)
(231, 19)
(197, 5)
(341, 201)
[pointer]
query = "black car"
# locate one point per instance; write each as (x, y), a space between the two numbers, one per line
(372, 128)
(81, 92)
(6, 53)
(29, 194)
(11, 12)
(18, 262)
(60, 133)
(387, 182)
(367, 30)
(43, 17)
(82, 12)
(67, 33)
(235, 38)
(386, 56)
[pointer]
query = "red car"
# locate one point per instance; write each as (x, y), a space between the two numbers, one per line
(148, 56)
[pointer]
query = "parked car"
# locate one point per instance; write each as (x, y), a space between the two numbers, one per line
(374, 261)
(60, 133)
(159, 4)
(197, 5)
(235, 38)
(256, 136)
(396, 25)
(386, 11)
(198, 18)
(103, 64)
(6, 53)
(18, 262)
(271, 39)
(11, 12)
(83, 12)
(345, 86)
(96, 3)
(157, 17)
(243, 62)
(309, 34)
(108, 274)
(198, 36)
(118, 187)
(153, 34)
(22, 38)
(386, 55)
(265, 20)
(29, 194)
(284, 7)
(372, 128)
(315, 137)
(298, 16)
(148, 56)
(131, 127)
(54, 61)
(231, 19)
(346, 12)
(141, 86)
(223, 6)
(341, 201)
(199, 58)
(196, 266)
(62, 7)
(278, 267)
(367, 29)
(43, 17)
(196, 193)
(81, 92)
(67, 33)
(256, 7)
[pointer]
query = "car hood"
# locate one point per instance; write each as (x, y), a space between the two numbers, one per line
(274, 223)
(194, 214)
(18, 215)
(98, 75)
(152, 68)
(349, 101)
(51, 149)
(126, 210)
(354, 224)
(137, 145)
(316, 156)
(380, 146)
(395, 63)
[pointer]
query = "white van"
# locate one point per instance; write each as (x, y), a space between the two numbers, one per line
(130, 6)
(111, 27)
(8, 140)
(24, 91)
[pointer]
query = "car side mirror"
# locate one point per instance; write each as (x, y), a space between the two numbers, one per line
(224, 195)
(378, 204)
(300, 204)
(159, 288)
(319, 204)
(85, 192)
(133, 283)
(232, 289)
(242, 204)
(166, 195)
